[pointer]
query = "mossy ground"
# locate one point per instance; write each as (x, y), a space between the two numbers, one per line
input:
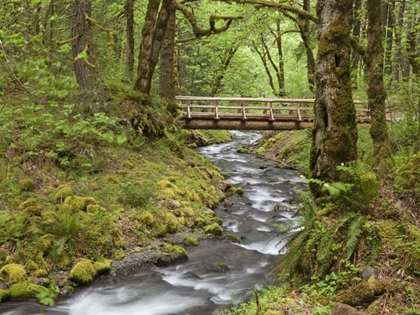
(93, 191)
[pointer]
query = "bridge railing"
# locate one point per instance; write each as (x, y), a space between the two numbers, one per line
(245, 108)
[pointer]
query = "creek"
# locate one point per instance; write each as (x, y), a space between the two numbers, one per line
(200, 286)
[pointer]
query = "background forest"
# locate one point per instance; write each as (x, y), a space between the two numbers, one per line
(87, 128)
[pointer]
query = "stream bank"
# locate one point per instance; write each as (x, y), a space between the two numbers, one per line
(217, 274)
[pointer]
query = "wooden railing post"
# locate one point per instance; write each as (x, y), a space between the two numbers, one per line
(188, 109)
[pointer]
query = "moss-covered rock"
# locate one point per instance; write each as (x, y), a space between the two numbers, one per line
(63, 192)
(220, 267)
(76, 203)
(366, 292)
(102, 266)
(236, 191)
(26, 290)
(12, 273)
(189, 240)
(214, 229)
(83, 272)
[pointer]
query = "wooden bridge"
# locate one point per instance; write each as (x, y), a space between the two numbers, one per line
(232, 113)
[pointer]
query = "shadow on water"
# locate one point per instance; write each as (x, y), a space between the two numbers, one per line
(218, 273)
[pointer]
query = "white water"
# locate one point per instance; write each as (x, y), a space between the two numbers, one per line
(193, 287)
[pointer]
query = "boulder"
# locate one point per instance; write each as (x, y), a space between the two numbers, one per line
(344, 309)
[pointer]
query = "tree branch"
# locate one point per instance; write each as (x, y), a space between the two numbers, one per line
(280, 6)
(198, 31)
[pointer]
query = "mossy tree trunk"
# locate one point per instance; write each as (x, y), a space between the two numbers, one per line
(153, 33)
(82, 43)
(334, 134)
(168, 82)
(376, 90)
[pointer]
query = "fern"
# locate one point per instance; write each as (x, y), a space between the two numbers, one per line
(57, 248)
(354, 231)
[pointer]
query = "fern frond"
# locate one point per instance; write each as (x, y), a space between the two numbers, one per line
(354, 231)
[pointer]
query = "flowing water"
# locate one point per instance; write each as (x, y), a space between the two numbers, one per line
(198, 287)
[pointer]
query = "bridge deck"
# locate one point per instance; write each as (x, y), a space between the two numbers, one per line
(250, 113)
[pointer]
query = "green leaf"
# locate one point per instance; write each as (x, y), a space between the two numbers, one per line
(121, 139)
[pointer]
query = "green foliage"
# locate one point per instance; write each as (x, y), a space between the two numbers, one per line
(46, 297)
(317, 242)
(137, 195)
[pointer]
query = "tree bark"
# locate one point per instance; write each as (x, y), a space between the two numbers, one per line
(82, 43)
(153, 33)
(306, 38)
(334, 135)
(168, 86)
(376, 91)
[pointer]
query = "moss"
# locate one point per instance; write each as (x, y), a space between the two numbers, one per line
(63, 192)
(77, 203)
(30, 202)
(236, 191)
(119, 254)
(188, 211)
(94, 208)
(12, 273)
(168, 193)
(40, 273)
(128, 164)
(27, 185)
(164, 184)
(147, 218)
(243, 150)
(366, 292)
(83, 272)
(214, 229)
(170, 221)
(176, 249)
(199, 222)
(26, 290)
(220, 267)
(4, 295)
(189, 240)
(102, 266)
(408, 175)
(233, 238)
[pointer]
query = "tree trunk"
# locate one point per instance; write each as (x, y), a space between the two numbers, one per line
(129, 11)
(280, 67)
(413, 39)
(399, 59)
(82, 43)
(167, 77)
(221, 73)
(355, 56)
(153, 33)
(376, 90)
(389, 41)
(306, 38)
(334, 135)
